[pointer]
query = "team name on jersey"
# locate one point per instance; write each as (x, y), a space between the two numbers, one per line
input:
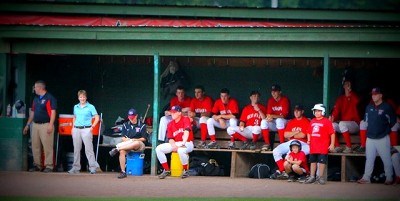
(200, 110)
(181, 130)
(225, 112)
(296, 129)
(254, 115)
(277, 108)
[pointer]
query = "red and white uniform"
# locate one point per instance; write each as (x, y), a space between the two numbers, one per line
(200, 106)
(232, 107)
(294, 124)
(175, 131)
(280, 107)
(320, 131)
(345, 112)
(166, 119)
(301, 156)
(252, 120)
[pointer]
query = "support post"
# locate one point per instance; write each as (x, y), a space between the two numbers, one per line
(326, 82)
(155, 114)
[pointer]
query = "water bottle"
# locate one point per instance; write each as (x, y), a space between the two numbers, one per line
(8, 110)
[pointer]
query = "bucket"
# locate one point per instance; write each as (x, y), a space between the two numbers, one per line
(176, 165)
(134, 163)
(70, 160)
(65, 125)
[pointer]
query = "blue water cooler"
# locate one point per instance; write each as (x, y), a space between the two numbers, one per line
(134, 163)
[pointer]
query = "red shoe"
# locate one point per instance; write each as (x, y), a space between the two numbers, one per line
(363, 181)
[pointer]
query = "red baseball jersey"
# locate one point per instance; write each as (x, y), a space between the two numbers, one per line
(175, 130)
(298, 125)
(185, 103)
(345, 108)
(301, 156)
(250, 116)
(321, 131)
(280, 107)
(200, 106)
(232, 107)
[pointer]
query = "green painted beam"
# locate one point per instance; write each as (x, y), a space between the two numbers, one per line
(326, 81)
(210, 48)
(156, 112)
(204, 34)
(200, 12)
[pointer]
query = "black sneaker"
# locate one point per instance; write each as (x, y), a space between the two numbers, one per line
(185, 174)
(212, 145)
(47, 170)
(252, 146)
(122, 175)
(113, 152)
(275, 175)
(164, 174)
(35, 169)
(292, 178)
(360, 150)
(245, 145)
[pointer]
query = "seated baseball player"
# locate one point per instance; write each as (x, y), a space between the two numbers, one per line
(249, 128)
(134, 135)
(180, 140)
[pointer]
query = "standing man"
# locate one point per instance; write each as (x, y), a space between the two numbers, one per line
(180, 135)
(180, 99)
(200, 111)
(42, 119)
(380, 117)
(277, 112)
(345, 116)
(134, 135)
(83, 131)
(225, 111)
(296, 129)
(249, 125)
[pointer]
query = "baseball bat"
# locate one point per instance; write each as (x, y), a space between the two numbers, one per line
(145, 114)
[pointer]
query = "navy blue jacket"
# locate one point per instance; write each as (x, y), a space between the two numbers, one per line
(380, 118)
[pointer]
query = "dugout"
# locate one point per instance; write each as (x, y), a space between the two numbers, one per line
(243, 49)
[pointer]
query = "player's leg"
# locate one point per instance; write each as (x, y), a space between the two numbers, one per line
(162, 130)
(280, 127)
(265, 135)
(370, 154)
(384, 153)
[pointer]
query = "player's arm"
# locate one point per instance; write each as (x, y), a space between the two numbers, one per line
(185, 137)
(227, 116)
(332, 145)
(29, 122)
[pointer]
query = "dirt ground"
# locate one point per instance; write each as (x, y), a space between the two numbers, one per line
(107, 185)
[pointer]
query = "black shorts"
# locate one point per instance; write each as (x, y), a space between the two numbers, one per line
(318, 158)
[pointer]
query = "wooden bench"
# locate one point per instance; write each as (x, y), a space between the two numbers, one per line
(241, 161)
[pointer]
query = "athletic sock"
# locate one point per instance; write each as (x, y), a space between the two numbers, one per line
(255, 137)
(212, 137)
(265, 133)
(281, 134)
(280, 165)
(337, 143)
(165, 166)
(347, 138)
(203, 132)
(363, 137)
(393, 138)
(239, 137)
(185, 167)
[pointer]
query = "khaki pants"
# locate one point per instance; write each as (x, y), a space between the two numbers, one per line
(85, 136)
(40, 138)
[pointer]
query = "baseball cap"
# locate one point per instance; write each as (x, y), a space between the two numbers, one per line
(298, 107)
(175, 108)
(376, 90)
(275, 87)
(132, 112)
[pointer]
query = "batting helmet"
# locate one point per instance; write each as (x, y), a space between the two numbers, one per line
(319, 106)
(295, 142)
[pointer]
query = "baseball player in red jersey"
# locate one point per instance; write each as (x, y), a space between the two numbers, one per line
(321, 138)
(296, 161)
(225, 111)
(200, 111)
(296, 129)
(180, 135)
(277, 112)
(345, 116)
(180, 99)
(249, 125)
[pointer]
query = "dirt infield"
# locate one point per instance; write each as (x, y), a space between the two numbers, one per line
(107, 185)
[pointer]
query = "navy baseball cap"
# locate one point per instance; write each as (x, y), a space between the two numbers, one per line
(175, 108)
(275, 87)
(132, 112)
(376, 90)
(298, 107)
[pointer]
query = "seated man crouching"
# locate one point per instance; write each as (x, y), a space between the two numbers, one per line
(134, 136)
